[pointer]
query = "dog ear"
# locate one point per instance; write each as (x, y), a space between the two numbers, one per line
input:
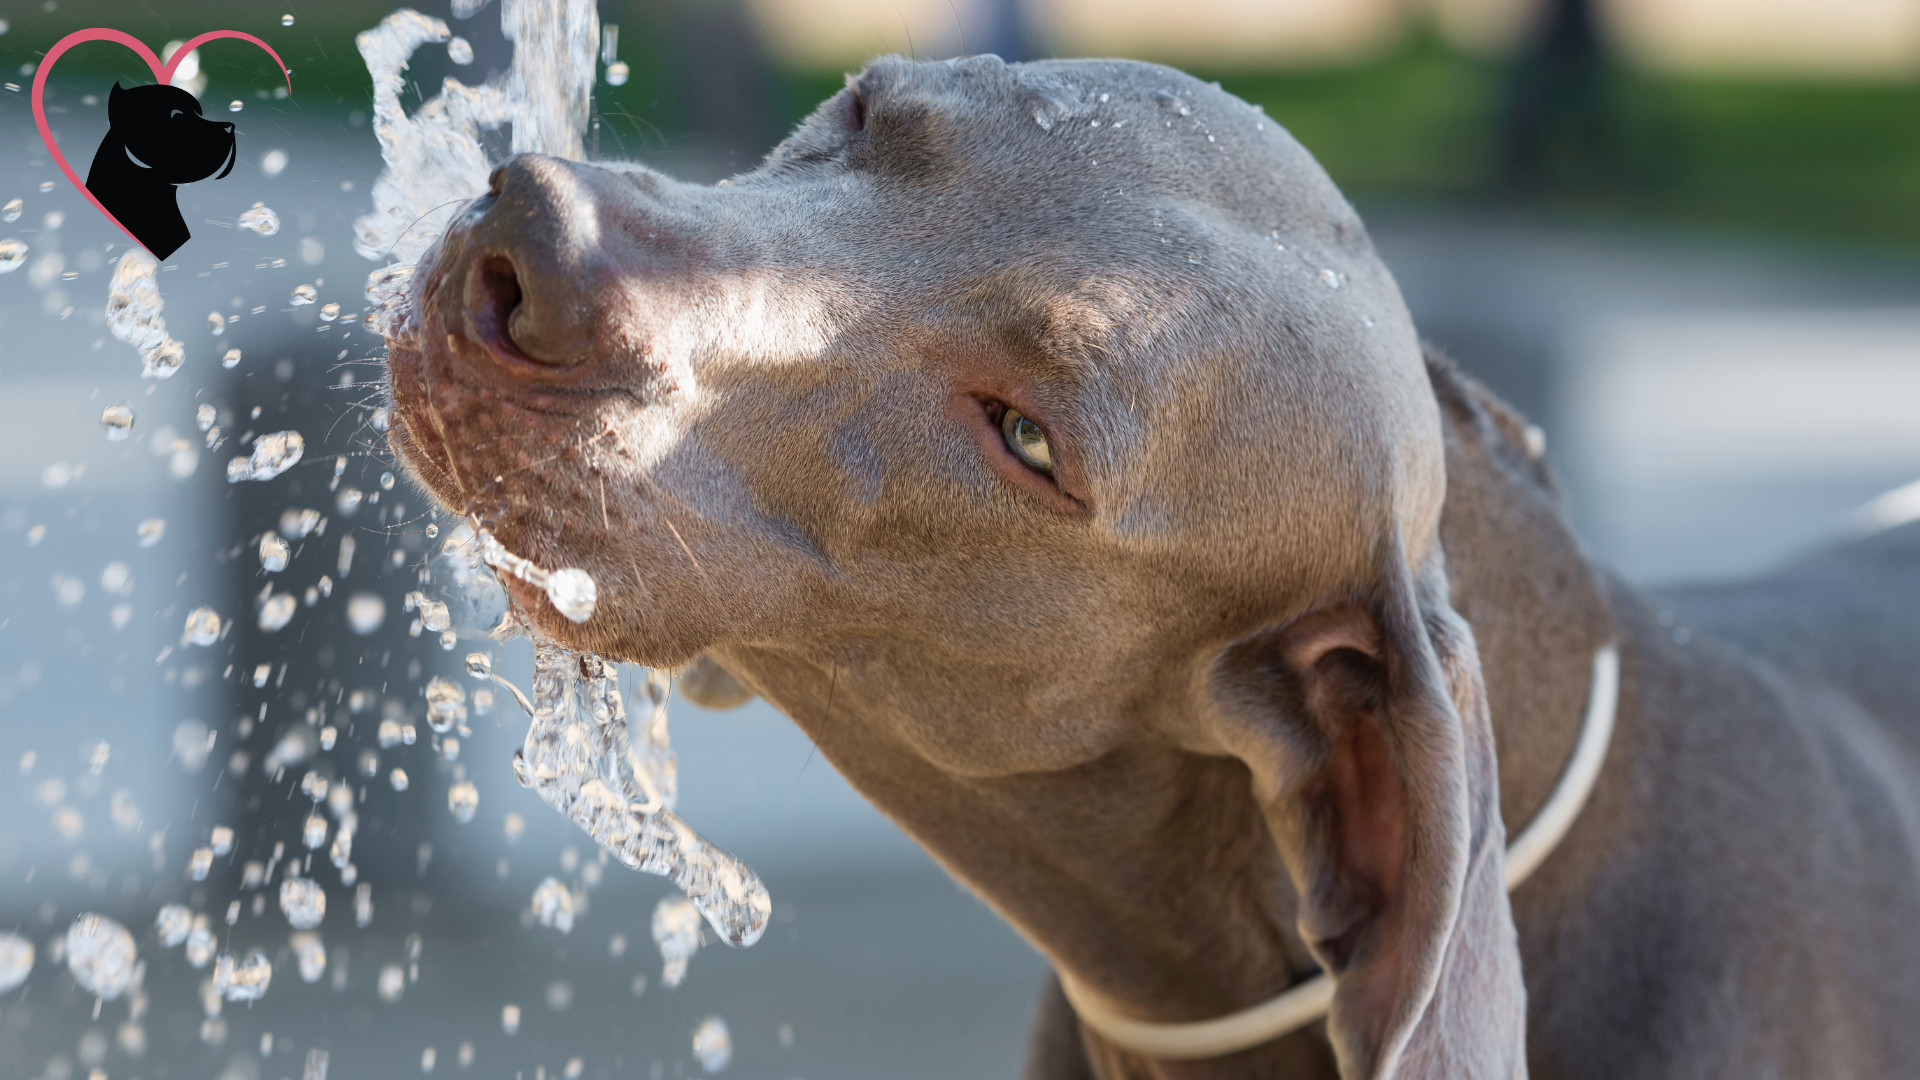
(116, 104)
(1365, 726)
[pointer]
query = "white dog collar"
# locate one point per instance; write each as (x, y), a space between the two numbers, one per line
(1302, 1004)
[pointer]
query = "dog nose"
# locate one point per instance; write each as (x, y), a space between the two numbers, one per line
(528, 284)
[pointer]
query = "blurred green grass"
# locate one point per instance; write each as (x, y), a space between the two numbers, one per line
(1831, 161)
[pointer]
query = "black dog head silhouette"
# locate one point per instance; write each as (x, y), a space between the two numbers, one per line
(156, 140)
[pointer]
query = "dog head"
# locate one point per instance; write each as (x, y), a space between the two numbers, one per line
(1050, 415)
(163, 130)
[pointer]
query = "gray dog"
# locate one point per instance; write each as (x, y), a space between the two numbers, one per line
(1049, 443)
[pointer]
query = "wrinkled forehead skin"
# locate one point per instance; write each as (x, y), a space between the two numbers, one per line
(756, 448)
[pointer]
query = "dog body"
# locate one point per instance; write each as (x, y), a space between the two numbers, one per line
(156, 140)
(1047, 441)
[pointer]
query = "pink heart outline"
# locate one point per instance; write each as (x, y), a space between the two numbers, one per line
(163, 73)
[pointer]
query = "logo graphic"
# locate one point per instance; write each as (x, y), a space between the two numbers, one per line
(157, 140)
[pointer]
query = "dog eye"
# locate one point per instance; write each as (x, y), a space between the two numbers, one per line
(174, 115)
(1026, 440)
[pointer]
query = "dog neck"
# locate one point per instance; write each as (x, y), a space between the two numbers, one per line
(1171, 903)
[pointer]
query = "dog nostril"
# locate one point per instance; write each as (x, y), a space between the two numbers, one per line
(500, 297)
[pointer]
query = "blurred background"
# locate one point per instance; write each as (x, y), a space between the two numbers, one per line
(1683, 236)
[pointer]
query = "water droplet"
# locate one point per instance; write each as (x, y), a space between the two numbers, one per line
(311, 953)
(460, 51)
(13, 253)
(510, 1019)
(149, 531)
(286, 20)
(329, 312)
(236, 105)
(434, 616)
(272, 455)
(398, 778)
(347, 502)
(676, 930)
(618, 72)
(277, 611)
(302, 900)
(273, 554)
(216, 323)
(446, 704)
(365, 612)
(1330, 279)
(11, 211)
(200, 863)
(243, 980)
(201, 944)
(712, 1045)
(203, 626)
(261, 219)
(432, 530)
(464, 800)
(101, 955)
(479, 665)
(221, 840)
(173, 923)
(303, 295)
(514, 827)
(572, 593)
(118, 421)
(231, 359)
(297, 523)
(386, 481)
(16, 961)
(553, 906)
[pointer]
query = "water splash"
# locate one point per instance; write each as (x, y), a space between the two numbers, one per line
(133, 314)
(434, 159)
(578, 758)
